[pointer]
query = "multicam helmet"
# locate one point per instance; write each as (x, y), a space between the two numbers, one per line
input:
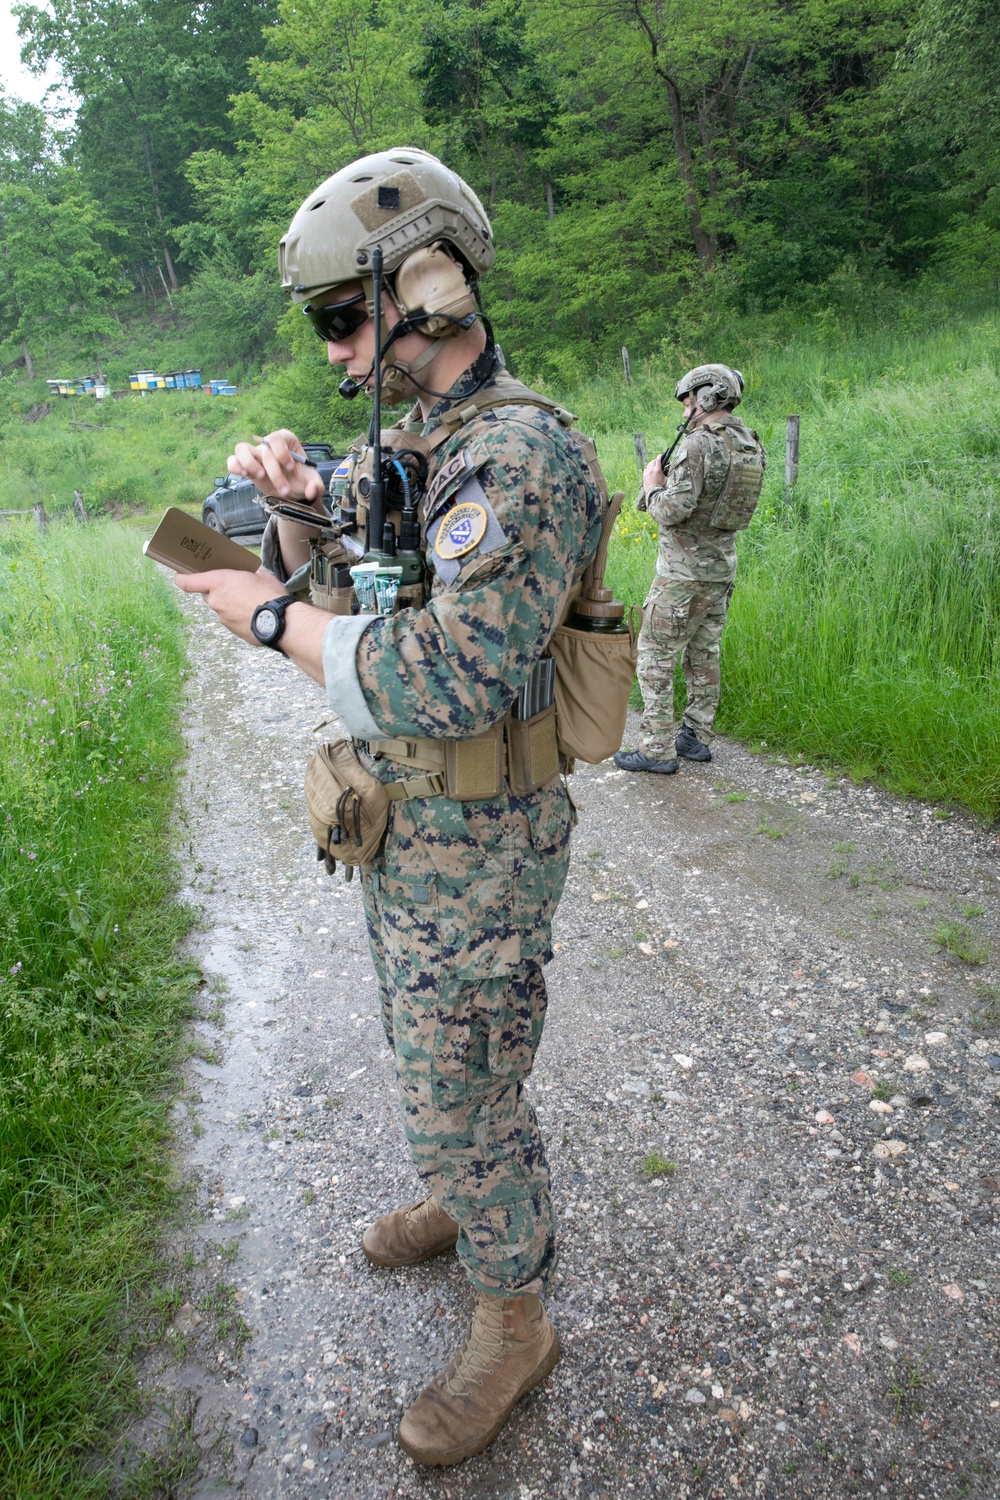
(714, 385)
(403, 200)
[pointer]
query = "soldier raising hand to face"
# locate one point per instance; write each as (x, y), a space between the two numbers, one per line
(707, 495)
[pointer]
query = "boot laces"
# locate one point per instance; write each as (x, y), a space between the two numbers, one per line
(425, 1210)
(484, 1348)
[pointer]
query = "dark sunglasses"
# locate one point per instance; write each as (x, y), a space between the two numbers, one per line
(339, 320)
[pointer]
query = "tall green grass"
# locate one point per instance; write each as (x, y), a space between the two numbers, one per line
(91, 993)
(864, 625)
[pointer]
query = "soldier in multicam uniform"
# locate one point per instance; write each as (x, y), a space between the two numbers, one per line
(709, 493)
(460, 899)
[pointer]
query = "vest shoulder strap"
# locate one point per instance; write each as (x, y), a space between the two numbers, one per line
(505, 391)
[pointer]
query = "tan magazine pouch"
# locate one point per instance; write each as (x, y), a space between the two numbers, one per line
(348, 807)
(594, 672)
(474, 768)
(532, 751)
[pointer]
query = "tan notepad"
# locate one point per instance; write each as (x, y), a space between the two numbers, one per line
(189, 546)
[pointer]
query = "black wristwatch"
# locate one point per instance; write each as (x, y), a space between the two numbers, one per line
(268, 622)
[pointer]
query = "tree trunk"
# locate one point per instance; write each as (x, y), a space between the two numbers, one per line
(27, 359)
(704, 243)
(154, 188)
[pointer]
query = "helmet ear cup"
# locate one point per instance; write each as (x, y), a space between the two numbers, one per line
(431, 281)
(711, 397)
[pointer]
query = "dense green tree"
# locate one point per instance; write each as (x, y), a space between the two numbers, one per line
(28, 154)
(486, 89)
(154, 79)
(334, 81)
(57, 272)
(646, 162)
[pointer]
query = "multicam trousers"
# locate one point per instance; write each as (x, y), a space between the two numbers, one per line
(680, 618)
(459, 906)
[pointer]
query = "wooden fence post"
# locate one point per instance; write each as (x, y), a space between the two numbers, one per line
(640, 450)
(791, 454)
(79, 506)
(628, 367)
(41, 519)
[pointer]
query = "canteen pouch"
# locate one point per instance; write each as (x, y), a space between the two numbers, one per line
(532, 752)
(594, 672)
(348, 807)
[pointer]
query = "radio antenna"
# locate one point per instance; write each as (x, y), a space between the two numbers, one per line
(376, 500)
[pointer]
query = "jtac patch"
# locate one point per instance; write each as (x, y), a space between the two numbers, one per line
(446, 475)
(462, 529)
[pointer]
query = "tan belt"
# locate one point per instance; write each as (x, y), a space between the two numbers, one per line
(522, 755)
(415, 786)
(428, 755)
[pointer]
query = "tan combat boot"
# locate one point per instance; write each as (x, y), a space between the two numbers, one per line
(410, 1235)
(511, 1348)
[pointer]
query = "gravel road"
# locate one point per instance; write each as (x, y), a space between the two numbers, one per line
(772, 1103)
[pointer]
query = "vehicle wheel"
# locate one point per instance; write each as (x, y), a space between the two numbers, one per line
(213, 523)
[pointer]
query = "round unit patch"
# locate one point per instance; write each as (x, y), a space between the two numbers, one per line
(462, 529)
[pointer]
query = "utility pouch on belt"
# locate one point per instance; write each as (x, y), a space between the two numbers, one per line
(594, 647)
(474, 768)
(348, 807)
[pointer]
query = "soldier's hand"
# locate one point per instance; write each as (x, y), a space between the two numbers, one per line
(277, 466)
(653, 477)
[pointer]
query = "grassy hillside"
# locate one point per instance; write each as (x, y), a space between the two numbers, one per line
(863, 625)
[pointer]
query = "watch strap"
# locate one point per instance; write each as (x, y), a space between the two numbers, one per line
(278, 606)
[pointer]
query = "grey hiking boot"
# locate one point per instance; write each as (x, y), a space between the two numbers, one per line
(690, 746)
(410, 1235)
(634, 760)
(511, 1348)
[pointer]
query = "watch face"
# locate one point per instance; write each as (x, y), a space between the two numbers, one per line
(267, 623)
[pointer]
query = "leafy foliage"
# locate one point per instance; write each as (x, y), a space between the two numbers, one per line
(646, 162)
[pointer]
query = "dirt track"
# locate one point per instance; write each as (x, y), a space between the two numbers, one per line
(799, 1298)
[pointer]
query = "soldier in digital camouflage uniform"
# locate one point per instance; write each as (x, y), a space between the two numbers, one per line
(708, 494)
(459, 901)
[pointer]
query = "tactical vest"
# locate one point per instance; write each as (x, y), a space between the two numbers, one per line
(733, 507)
(525, 753)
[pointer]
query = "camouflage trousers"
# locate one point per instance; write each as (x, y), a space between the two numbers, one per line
(680, 619)
(459, 905)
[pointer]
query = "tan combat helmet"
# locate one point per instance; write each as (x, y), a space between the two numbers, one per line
(436, 241)
(714, 385)
(403, 200)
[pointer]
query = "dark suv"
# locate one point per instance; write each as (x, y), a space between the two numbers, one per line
(234, 506)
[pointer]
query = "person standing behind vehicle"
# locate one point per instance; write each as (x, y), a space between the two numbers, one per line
(709, 493)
